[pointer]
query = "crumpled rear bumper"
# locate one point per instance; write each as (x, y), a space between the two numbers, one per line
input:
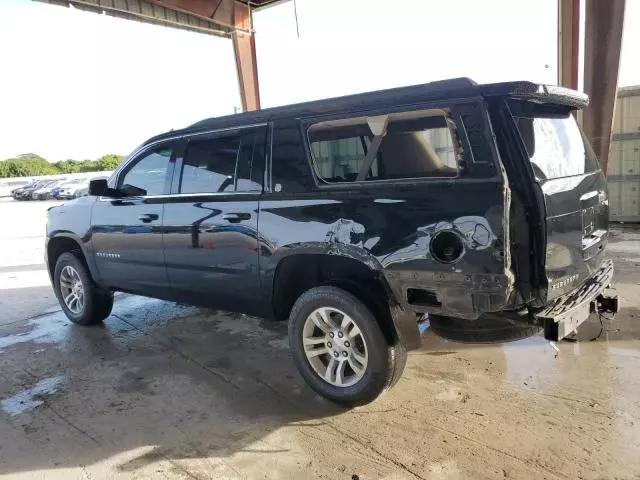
(566, 313)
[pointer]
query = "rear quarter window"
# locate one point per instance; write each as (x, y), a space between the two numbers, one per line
(417, 144)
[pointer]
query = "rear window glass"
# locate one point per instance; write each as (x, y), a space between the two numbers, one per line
(395, 146)
(556, 146)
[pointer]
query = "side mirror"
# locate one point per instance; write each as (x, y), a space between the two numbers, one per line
(98, 187)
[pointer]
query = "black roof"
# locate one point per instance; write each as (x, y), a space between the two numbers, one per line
(453, 88)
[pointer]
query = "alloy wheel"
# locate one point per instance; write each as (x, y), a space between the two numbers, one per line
(72, 289)
(335, 347)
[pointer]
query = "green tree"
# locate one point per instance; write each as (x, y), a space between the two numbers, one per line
(26, 165)
(67, 166)
(30, 165)
(109, 162)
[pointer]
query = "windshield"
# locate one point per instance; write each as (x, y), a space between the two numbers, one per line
(556, 146)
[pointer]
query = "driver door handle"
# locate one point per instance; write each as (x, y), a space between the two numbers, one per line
(148, 217)
(236, 217)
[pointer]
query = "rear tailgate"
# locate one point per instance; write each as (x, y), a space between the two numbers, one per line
(577, 230)
(574, 190)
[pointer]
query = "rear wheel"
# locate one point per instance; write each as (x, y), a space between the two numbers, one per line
(82, 302)
(339, 348)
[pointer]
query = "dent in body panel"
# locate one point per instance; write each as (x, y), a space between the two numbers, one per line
(474, 232)
(479, 281)
(404, 259)
(389, 225)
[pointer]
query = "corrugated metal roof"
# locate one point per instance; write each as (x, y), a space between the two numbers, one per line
(215, 17)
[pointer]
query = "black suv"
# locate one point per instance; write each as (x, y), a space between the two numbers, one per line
(478, 208)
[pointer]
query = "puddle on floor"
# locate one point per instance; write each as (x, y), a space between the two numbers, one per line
(27, 400)
(45, 329)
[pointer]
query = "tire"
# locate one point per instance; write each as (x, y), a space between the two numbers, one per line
(384, 363)
(489, 328)
(96, 304)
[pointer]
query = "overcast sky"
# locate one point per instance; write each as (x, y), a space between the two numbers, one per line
(79, 85)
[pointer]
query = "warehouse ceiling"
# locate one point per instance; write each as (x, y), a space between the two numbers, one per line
(216, 17)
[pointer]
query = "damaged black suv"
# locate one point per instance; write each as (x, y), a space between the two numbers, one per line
(481, 206)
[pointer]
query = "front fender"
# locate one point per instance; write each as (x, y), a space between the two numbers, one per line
(72, 221)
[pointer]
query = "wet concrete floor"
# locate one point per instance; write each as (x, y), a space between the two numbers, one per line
(167, 391)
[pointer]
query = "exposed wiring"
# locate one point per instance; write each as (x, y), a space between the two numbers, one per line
(601, 328)
(600, 317)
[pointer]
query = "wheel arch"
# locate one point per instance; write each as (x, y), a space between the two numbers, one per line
(64, 242)
(359, 275)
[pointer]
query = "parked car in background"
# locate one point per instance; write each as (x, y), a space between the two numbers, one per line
(26, 192)
(70, 188)
(17, 192)
(44, 192)
(84, 191)
(55, 192)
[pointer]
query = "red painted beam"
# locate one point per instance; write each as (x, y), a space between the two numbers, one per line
(244, 47)
(603, 41)
(568, 42)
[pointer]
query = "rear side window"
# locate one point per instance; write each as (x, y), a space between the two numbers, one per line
(227, 163)
(417, 144)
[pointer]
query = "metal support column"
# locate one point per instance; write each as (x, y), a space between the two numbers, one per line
(244, 47)
(603, 41)
(568, 42)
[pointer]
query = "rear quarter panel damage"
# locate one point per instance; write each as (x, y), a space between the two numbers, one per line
(392, 234)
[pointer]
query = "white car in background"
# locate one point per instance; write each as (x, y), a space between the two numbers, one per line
(73, 188)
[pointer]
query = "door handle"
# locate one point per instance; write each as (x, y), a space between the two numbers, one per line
(148, 217)
(236, 217)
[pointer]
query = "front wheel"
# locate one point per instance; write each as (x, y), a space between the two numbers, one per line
(339, 348)
(82, 302)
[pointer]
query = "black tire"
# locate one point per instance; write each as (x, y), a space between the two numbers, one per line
(489, 328)
(97, 303)
(385, 363)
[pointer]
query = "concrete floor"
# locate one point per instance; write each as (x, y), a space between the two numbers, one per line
(166, 391)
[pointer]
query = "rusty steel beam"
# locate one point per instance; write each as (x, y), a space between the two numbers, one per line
(603, 41)
(568, 42)
(244, 47)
